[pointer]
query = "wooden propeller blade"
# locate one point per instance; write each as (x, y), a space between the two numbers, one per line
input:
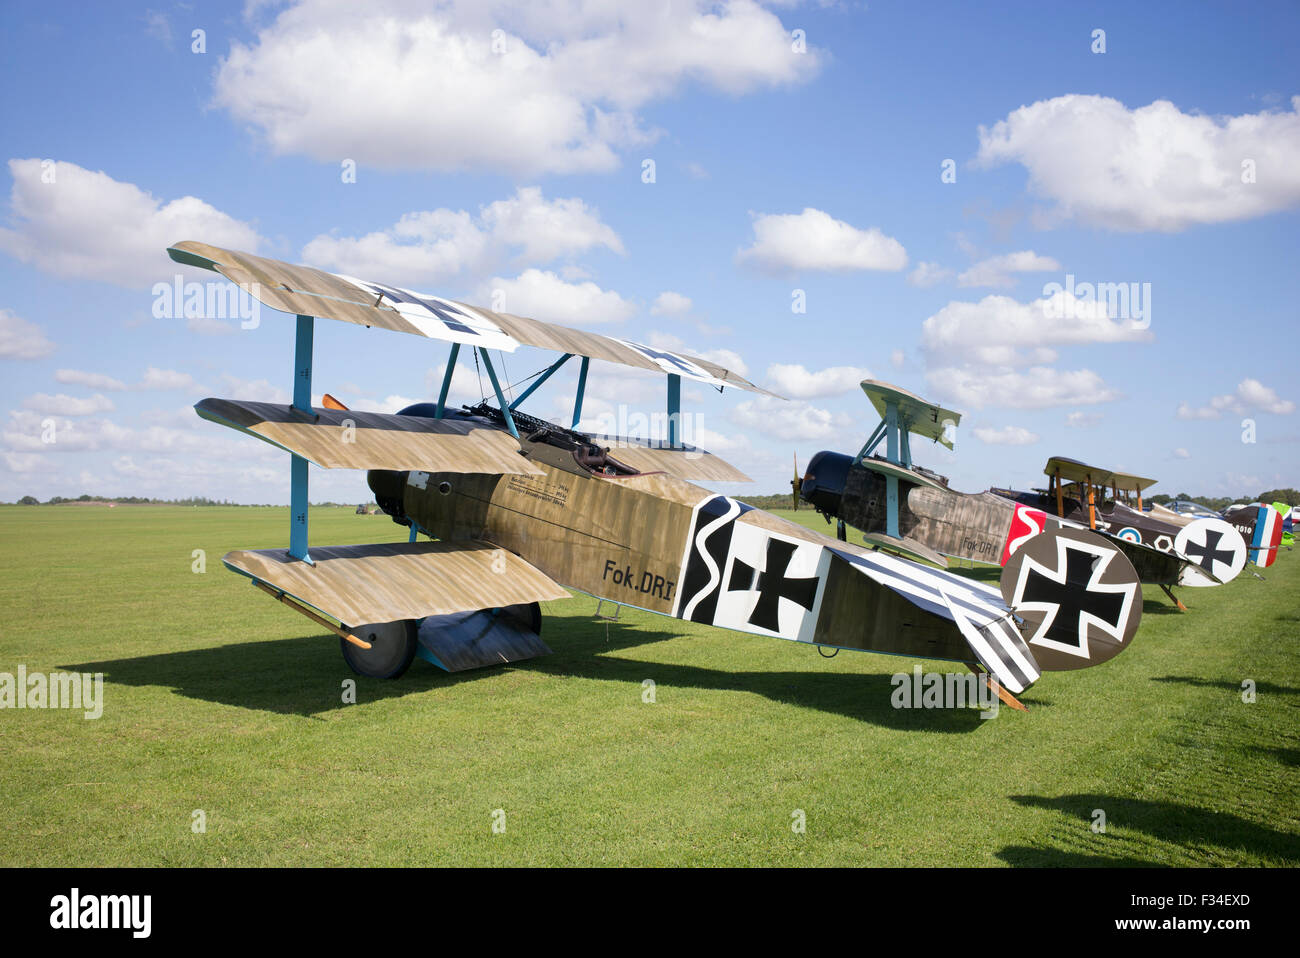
(329, 402)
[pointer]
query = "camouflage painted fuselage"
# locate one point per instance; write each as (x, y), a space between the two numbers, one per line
(659, 543)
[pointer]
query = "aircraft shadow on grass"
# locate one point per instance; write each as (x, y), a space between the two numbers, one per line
(1170, 822)
(1283, 756)
(1261, 688)
(302, 676)
(1156, 607)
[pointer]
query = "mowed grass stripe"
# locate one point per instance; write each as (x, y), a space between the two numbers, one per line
(219, 699)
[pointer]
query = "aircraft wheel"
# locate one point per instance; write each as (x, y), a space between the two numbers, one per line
(392, 647)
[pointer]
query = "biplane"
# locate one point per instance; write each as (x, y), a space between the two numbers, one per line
(1074, 492)
(517, 510)
(901, 507)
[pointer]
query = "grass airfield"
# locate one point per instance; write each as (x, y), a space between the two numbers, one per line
(218, 699)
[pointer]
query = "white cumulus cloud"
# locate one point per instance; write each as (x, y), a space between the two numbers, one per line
(996, 329)
(541, 294)
(1034, 388)
(1250, 395)
(550, 86)
(1006, 436)
(77, 377)
(1150, 168)
(73, 222)
(432, 246)
(669, 303)
(998, 270)
(928, 274)
(815, 240)
(61, 404)
(20, 339)
(789, 421)
(796, 382)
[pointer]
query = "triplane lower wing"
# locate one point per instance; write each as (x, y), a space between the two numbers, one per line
(523, 510)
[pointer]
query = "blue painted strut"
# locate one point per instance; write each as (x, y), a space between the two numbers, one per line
(501, 399)
(542, 378)
(869, 446)
(446, 380)
(298, 466)
(674, 410)
(582, 389)
(891, 482)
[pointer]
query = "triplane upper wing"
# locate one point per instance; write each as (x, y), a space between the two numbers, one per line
(912, 413)
(315, 292)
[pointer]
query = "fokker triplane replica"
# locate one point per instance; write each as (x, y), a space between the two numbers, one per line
(520, 510)
(902, 507)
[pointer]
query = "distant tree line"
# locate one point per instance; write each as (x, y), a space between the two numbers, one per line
(1218, 503)
(148, 501)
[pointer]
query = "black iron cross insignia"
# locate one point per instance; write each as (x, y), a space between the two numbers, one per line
(773, 585)
(444, 311)
(1073, 599)
(677, 361)
(1209, 553)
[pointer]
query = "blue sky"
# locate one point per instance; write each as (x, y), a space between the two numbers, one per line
(501, 147)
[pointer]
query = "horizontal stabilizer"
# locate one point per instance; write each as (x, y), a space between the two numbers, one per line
(346, 439)
(684, 462)
(977, 610)
(389, 582)
(915, 415)
(998, 646)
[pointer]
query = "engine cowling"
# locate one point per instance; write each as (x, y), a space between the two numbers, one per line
(824, 481)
